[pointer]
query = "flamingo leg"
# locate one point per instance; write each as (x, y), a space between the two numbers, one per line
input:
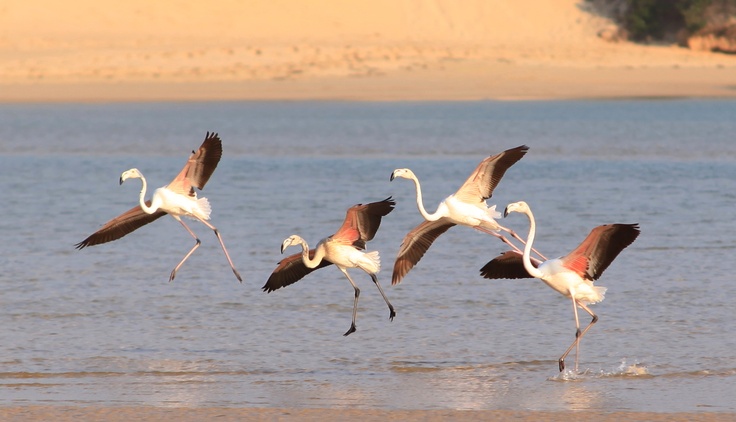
(578, 334)
(392, 313)
(227, 255)
(196, 245)
(517, 237)
(355, 303)
(500, 236)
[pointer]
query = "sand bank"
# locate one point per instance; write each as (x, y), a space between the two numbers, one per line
(346, 50)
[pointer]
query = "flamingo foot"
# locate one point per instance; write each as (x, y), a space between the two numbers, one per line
(351, 330)
(562, 364)
(173, 274)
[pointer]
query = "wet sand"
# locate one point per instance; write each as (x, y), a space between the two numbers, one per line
(474, 83)
(76, 413)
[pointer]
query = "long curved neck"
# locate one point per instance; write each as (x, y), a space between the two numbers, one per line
(310, 263)
(526, 258)
(142, 198)
(420, 203)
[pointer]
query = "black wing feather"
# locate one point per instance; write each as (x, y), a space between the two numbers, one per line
(121, 225)
(507, 265)
(290, 270)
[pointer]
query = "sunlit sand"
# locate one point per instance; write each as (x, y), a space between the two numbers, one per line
(351, 50)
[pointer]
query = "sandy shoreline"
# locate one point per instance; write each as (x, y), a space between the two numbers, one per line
(347, 50)
(501, 82)
(140, 413)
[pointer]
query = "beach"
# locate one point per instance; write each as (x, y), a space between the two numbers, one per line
(290, 50)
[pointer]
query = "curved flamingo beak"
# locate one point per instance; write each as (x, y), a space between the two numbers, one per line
(506, 212)
(392, 177)
(285, 244)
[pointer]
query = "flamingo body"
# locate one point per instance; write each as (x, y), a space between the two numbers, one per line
(477, 214)
(570, 282)
(177, 205)
(346, 256)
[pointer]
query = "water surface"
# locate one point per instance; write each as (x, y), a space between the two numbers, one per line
(103, 326)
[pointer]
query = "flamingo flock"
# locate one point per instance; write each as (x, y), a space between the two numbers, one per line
(572, 275)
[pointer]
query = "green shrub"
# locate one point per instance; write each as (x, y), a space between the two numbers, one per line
(654, 19)
(660, 19)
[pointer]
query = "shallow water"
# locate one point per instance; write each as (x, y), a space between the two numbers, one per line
(103, 325)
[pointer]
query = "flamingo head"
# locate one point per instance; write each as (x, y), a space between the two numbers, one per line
(291, 241)
(130, 174)
(405, 173)
(520, 206)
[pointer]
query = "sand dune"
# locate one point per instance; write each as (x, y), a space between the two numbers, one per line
(392, 50)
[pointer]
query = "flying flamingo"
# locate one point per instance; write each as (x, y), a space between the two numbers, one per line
(344, 249)
(466, 207)
(177, 199)
(571, 275)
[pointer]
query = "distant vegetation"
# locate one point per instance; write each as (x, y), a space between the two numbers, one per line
(649, 20)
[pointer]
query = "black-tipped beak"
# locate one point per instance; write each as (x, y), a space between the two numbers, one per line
(121, 180)
(505, 212)
(391, 179)
(282, 248)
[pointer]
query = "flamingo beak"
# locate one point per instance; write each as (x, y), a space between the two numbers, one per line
(505, 212)
(121, 180)
(392, 177)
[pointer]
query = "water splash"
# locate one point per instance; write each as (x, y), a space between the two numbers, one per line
(624, 369)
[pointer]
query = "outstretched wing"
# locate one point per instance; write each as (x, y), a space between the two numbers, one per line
(290, 270)
(362, 222)
(199, 167)
(600, 248)
(507, 265)
(121, 225)
(488, 174)
(415, 244)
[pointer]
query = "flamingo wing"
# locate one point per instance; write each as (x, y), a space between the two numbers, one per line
(488, 174)
(290, 270)
(121, 225)
(362, 222)
(600, 248)
(415, 245)
(507, 265)
(199, 167)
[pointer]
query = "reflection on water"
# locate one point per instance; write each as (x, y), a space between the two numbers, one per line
(581, 397)
(103, 325)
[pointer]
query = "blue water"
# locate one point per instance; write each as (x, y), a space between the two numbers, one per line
(104, 326)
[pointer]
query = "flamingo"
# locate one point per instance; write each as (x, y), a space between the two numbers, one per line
(466, 207)
(344, 249)
(177, 199)
(571, 275)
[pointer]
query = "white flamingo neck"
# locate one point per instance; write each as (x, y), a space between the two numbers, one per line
(420, 203)
(142, 198)
(526, 258)
(305, 255)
